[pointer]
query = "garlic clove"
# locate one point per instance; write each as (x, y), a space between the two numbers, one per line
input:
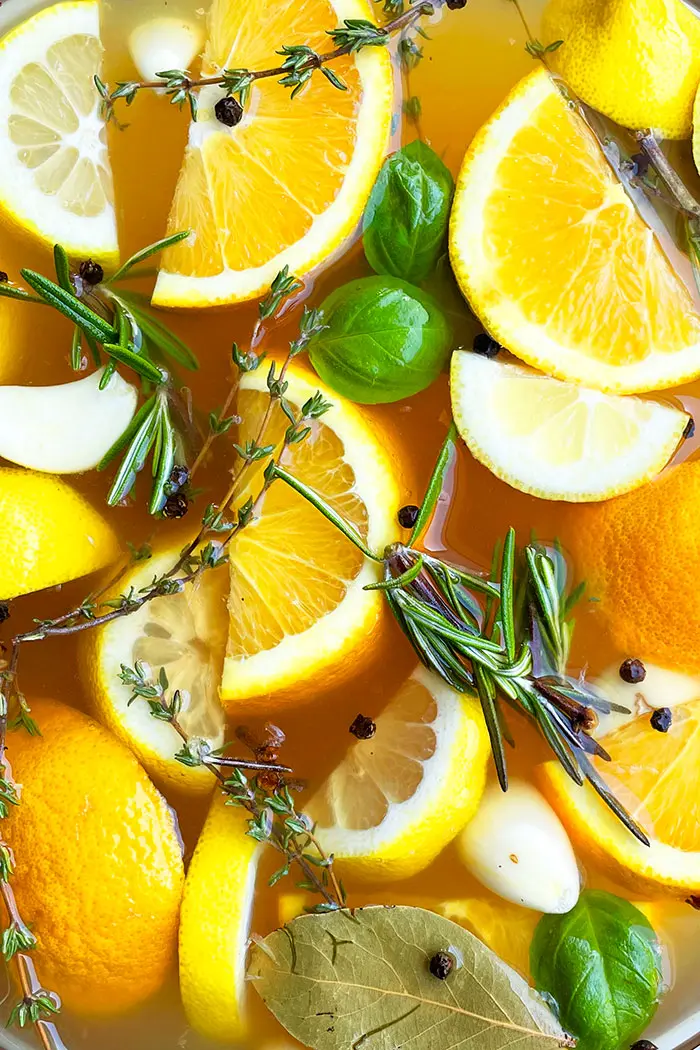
(517, 847)
(164, 43)
(64, 429)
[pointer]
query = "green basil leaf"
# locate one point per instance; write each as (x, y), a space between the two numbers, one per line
(384, 340)
(601, 965)
(405, 222)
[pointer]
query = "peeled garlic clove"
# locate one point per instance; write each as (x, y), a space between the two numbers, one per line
(660, 688)
(517, 847)
(162, 44)
(64, 429)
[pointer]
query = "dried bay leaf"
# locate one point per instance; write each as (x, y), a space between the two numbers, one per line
(361, 981)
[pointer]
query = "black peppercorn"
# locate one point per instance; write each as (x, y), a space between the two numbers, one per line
(228, 111)
(486, 346)
(3, 277)
(363, 728)
(632, 671)
(441, 965)
(661, 720)
(644, 1044)
(456, 5)
(4, 612)
(176, 506)
(179, 476)
(689, 428)
(91, 272)
(408, 516)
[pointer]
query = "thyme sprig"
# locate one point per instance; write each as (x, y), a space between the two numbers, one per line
(503, 639)
(259, 787)
(118, 326)
(299, 64)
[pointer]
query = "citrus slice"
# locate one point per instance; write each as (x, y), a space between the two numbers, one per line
(183, 633)
(656, 776)
(396, 800)
(49, 534)
(559, 440)
(55, 179)
(286, 185)
(554, 259)
(298, 609)
(215, 924)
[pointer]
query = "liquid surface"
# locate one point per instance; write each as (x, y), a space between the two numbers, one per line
(472, 60)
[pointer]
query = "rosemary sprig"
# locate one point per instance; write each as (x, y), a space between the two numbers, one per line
(299, 64)
(504, 640)
(118, 325)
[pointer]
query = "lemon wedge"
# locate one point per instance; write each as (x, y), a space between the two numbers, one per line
(298, 610)
(215, 924)
(559, 440)
(64, 429)
(184, 634)
(656, 776)
(55, 179)
(396, 800)
(49, 534)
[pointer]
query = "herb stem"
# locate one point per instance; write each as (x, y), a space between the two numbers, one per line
(648, 142)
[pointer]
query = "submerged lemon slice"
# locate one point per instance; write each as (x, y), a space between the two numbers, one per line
(288, 184)
(656, 776)
(298, 610)
(183, 633)
(396, 800)
(554, 258)
(55, 179)
(215, 923)
(559, 440)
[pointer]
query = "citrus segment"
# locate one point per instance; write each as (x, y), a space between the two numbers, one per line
(48, 533)
(98, 863)
(55, 179)
(215, 923)
(297, 605)
(288, 183)
(640, 557)
(559, 440)
(185, 635)
(554, 258)
(396, 800)
(656, 776)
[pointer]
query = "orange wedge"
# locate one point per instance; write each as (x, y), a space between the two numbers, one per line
(555, 260)
(288, 184)
(300, 618)
(656, 776)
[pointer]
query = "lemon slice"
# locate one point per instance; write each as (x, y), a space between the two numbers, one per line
(49, 534)
(55, 179)
(555, 260)
(184, 634)
(298, 610)
(287, 185)
(396, 800)
(656, 777)
(215, 924)
(559, 440)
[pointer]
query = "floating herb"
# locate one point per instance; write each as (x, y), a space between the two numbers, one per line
(359, 978)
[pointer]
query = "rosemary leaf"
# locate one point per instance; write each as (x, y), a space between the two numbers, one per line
(436, 483)
(146, 253)
(70, 306)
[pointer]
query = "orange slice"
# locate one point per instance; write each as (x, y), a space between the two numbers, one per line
(555, 260)
(299, 615)
(288, 184)
(656, 776)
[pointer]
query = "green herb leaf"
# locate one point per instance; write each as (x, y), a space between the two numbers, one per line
(436, 483)
(346, 979)
(383, 340)
(601, 965)
(405, 223)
